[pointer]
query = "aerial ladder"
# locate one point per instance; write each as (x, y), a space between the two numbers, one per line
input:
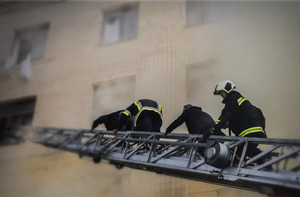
(178, 155)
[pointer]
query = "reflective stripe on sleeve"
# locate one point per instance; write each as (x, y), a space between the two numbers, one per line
(241, 100)
(127, 113)
(159, 108)
(138, 105)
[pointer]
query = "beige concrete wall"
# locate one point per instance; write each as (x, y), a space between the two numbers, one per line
(255, 45)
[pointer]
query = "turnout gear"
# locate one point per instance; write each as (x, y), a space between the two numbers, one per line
(110, 121)
(196, 120)
(147, 115)
(244, 118)
(226, 86)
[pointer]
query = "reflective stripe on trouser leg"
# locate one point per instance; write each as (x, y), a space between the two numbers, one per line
(251, 130)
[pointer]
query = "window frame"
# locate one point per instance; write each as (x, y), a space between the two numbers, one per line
(122, 10)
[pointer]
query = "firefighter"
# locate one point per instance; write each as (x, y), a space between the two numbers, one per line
(245, 120)
(110, 121)
(196, 120)
(147, 116)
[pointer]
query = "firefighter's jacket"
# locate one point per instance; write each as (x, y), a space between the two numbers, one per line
(196, 120)
(245, 119)
(137, 108)
(110, 121)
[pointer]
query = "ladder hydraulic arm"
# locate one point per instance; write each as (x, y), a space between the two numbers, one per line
(178, 155)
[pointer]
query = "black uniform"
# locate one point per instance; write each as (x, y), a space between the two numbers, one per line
(147, 113)
(245, 120)
(196, 120)
(110, 121)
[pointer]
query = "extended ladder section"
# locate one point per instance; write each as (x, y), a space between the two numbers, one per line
(183, 155)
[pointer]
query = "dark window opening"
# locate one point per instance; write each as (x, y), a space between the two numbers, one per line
(14, 116)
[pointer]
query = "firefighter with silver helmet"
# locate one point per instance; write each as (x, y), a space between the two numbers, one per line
(245, 119)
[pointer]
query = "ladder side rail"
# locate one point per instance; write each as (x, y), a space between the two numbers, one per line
(271, 141)
(178, 152)
(282, 180)
(177, 135)
(279, 176)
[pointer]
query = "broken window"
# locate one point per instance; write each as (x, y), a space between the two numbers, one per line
(29, 44)
(120, 25)
(14, 115)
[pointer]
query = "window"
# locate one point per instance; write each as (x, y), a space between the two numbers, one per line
(13, 116)
(29, 44)
(120, 25)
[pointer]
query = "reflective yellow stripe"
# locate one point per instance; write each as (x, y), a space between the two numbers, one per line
(251, 130)
(241, 100)
(137, 105)
(217, 122)
(127, 113)
(149, 109)
(159, 108)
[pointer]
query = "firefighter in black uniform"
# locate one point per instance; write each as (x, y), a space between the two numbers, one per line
(196, 121)
(110, 121)
(245, 120)
(147, 116)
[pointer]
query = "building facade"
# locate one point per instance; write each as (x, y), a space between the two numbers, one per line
(64, 64)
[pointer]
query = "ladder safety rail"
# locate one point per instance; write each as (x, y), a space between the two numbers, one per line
(180, 155)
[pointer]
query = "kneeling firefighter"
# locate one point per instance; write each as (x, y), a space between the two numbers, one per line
(147, 116)
(245, 120)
